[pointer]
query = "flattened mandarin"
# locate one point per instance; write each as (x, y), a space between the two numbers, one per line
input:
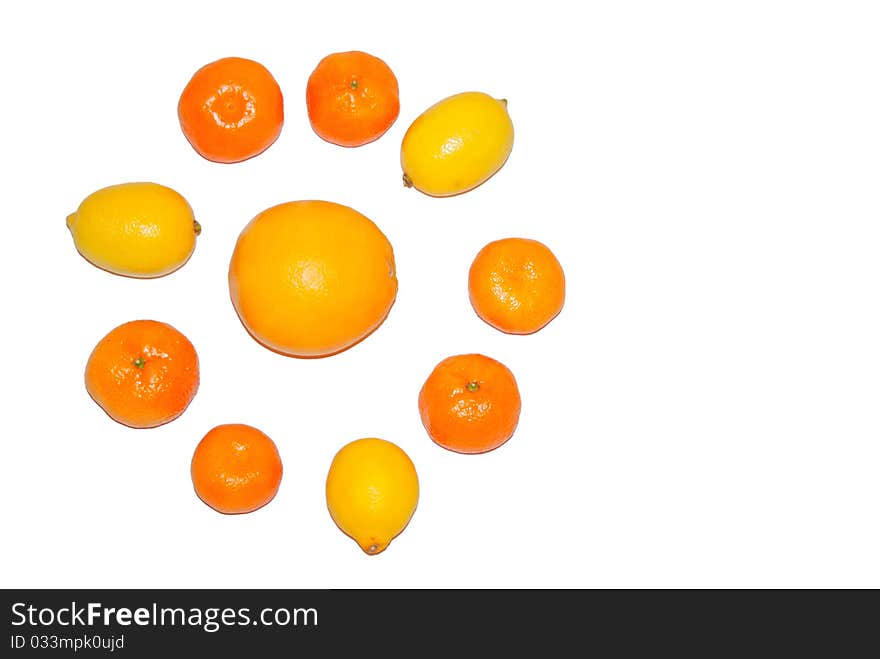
(352, 98)
(470, 404)
(236, 469)
(516, 285)
(143, 373)
(231, 110)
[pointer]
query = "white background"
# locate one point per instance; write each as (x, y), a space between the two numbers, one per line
(703, 413)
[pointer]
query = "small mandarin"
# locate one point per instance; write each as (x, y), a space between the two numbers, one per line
(516, 285)
(470, 404)
(352, 98)
(236, 469)
(143, 373)
(231, 110)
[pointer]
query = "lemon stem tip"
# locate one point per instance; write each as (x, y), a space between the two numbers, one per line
(473, 385)
(197, 227)
(139, 362)
(407, 181)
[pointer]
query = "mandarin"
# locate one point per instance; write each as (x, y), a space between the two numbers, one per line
(143, 373)
(231, 110)
(236, 469)
(516, 285)
(352, 98)
(470, 404)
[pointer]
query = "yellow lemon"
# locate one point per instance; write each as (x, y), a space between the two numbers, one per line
(456, 144)
(135, 229)
(372, 492)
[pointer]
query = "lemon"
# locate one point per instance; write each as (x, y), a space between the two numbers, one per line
(372, 492)
(135, 229)
(456, 144)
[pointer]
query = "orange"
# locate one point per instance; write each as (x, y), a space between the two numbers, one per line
(236, 469)
(143, 373)
(516, 285)
(352, 98)
(470, 404)
(311, 278)
(231, 110)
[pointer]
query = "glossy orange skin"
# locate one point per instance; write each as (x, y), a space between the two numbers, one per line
(236, 469)
(143, 373)
(516, 285)
(352, 98)
(231, 110)
(470, 404)
(311, 278)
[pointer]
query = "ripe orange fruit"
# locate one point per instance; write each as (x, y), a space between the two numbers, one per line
(470, 404)
(311, 278)
(352, 98)
(231, 110)
(516, 285)
(236, 469)
(143, 373)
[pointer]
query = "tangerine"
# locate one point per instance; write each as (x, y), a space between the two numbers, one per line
(236, 468)
(143, 373)
(352, 98)
(231, 110)
(470, 404)
(516, 285)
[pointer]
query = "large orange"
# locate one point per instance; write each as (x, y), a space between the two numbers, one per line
(311, 278)
(470, 404)
(352, 98)
(231, 110)
(236, 469)
(143, 373)
(516, 285)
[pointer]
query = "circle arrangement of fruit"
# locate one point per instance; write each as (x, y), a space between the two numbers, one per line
(310, 279)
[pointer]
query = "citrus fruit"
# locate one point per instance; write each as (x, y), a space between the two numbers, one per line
(516, 285)
(135, 229)
(311, 278)
(352, 98)
(372, 492)
(231, 110)
(143, 373)
(470, 404)
(236, 468)
(456, 144)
